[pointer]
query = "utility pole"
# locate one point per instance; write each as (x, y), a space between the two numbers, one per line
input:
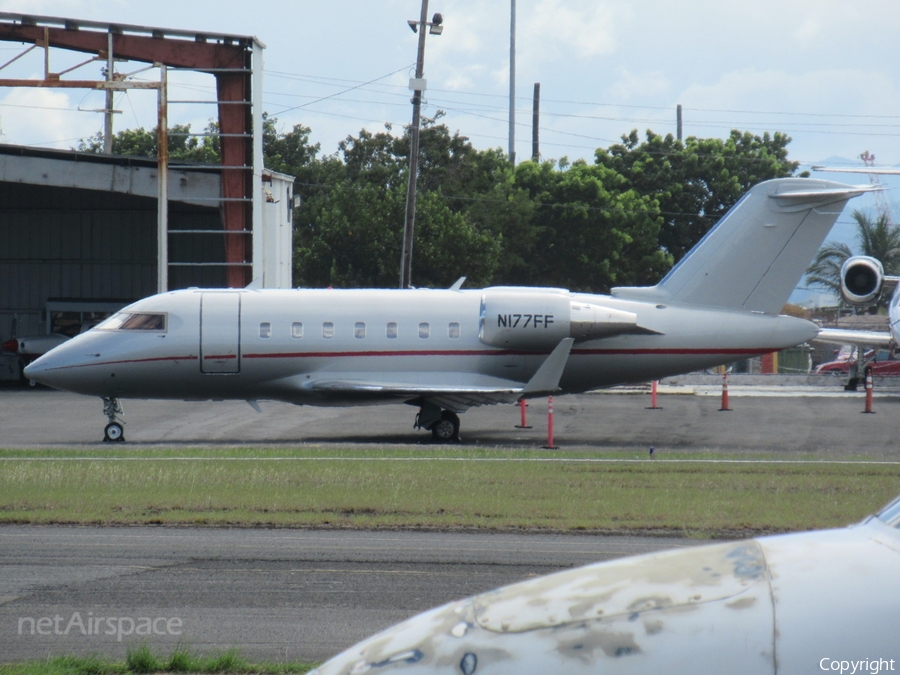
(535, 119)
(108, 113)
(678, 121)
(512, 81)
(417, 84)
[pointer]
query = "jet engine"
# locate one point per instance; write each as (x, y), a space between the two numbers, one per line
(862, 279)
(541, 319)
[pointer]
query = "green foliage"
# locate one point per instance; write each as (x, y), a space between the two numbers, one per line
(143, 143)
(142, 660)
(623, 220)
(349, 230)
(594, 231)
(879, 239)
(696, 182)
(570, 490)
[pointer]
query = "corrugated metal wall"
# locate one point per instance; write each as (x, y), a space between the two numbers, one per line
(85, 244)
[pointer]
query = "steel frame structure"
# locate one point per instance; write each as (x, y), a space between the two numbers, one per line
(236, 63)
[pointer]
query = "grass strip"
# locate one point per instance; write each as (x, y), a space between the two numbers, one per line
(141, 660)
(312, 488)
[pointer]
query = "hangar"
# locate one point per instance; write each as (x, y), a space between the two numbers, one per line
(82, 233)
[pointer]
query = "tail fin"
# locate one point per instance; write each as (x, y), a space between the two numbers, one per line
(755, 256)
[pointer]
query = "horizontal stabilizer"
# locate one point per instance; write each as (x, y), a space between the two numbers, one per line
(866, 338)
(873, 170)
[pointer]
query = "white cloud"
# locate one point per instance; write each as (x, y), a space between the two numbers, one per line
(808, 30)
(464, 78)
(32, 116)
(827, 112)
(554, 30)
(639, 86)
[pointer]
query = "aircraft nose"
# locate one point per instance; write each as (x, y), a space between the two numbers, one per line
(59, 368)
(41, 370)
(11, 345)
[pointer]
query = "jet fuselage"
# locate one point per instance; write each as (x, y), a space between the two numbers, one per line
(284, 345)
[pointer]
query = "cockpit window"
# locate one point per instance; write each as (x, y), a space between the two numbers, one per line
(134, 321)
(890, 514)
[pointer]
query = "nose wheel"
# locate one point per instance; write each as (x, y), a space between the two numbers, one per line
(115, 430)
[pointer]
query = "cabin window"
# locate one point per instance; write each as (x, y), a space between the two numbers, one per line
(453, 330)
(328, 330)
(424, 329)
(391, 331)
(359, 330)
(297, 330)
(134, 321)
(265, 329)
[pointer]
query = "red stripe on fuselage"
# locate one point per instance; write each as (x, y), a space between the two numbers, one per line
(115, 363)
(509, 352)
(461, 352)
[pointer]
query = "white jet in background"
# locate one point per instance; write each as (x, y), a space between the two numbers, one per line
(863, 283)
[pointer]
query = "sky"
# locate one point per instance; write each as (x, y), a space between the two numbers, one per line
(823, 71)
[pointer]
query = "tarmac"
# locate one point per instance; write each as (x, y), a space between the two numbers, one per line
(767, 415)
(282, 595)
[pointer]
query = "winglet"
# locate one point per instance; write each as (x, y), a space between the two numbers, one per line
(546, 379)
(459, 282)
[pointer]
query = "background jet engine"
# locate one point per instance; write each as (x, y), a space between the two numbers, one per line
(862, 279)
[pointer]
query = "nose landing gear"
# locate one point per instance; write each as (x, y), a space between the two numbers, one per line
(115, 430)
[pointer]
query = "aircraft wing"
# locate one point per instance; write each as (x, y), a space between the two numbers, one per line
(867, 338)
(457, 395)
(457, 398)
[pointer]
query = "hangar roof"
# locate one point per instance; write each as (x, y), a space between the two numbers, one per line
(109, 173)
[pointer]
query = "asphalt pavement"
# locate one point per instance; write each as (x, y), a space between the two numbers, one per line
(296, 595)
(768, 419)
(277, 595)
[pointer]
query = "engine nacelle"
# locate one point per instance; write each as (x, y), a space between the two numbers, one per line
(539, 320)
(524, 320)
(862, 279)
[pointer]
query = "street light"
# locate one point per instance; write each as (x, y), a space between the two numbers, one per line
(417, 84)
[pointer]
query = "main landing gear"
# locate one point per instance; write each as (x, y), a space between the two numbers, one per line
(443, 424)
(115, 430)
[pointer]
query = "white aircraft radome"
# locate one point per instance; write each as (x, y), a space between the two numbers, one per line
(448, 350)
(796, 603)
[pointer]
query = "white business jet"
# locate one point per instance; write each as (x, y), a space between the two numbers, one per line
(445, 351)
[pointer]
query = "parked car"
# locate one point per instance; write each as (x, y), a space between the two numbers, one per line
(882, 361)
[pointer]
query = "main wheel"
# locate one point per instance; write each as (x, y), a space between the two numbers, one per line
(113, 433)
(446, 429)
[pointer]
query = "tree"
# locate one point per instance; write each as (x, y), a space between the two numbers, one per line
(594, 231)
(695, 182)
(348, 232)
(877, 238)
(143, 143)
